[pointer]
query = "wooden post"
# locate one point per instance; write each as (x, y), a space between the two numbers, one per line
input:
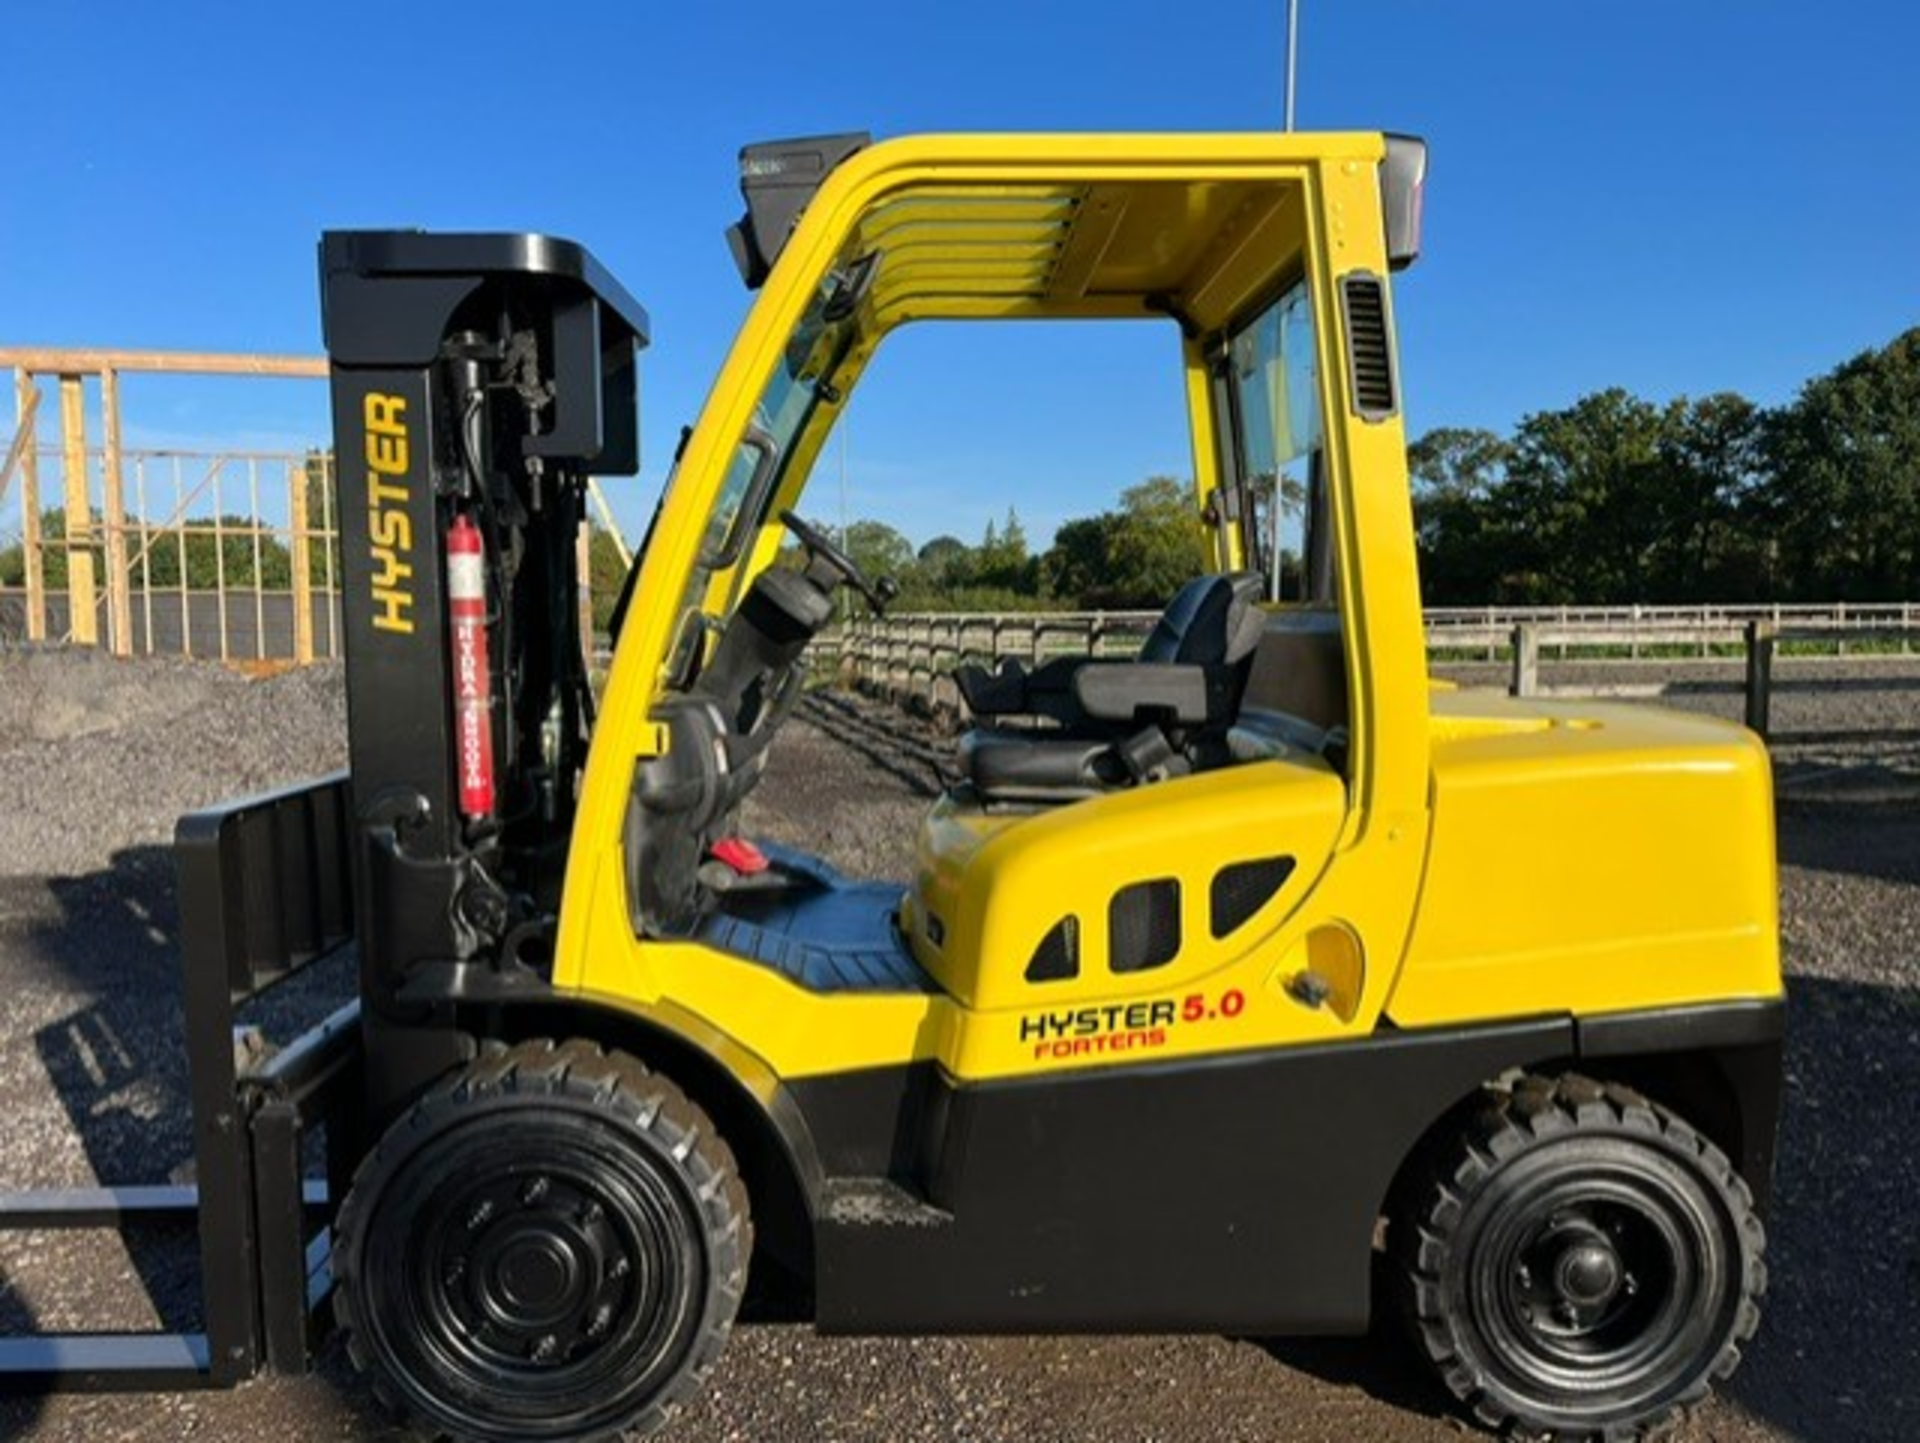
(1526, 660)
(220, 565)
(330, 552)
(932, 651)
(180, 559)
(113, 498)
(83, 620)
(145, 553)
(259, 560)
(1760, 637)
(299, 538)
(19, 445)
(26, 400)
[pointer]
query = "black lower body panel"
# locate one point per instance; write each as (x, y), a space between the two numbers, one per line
(1235, 1194)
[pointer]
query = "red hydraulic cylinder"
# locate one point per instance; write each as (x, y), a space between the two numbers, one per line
(472, 676)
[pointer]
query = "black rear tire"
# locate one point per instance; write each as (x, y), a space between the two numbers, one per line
(1576, 1263)
(550, 1245)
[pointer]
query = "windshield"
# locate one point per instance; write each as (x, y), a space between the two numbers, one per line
(818, 343)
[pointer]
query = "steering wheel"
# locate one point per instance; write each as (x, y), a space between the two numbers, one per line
(818, 543)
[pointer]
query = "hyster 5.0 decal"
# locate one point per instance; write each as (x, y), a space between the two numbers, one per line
(1123, 1026)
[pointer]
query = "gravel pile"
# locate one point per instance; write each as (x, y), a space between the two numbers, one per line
(98, 753)
(97, 758)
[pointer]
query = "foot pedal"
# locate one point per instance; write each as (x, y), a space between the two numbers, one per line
(719, 877)
(736, 865)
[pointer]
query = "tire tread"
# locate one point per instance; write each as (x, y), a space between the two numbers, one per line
(1533, 1111)
(582, 1070)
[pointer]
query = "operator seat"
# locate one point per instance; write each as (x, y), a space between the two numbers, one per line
(1119, 723)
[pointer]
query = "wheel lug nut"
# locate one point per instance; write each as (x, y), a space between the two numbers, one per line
(592, 1213)
(456, 1270)
(619, 1268)
(481, 1215)
(546, 1349)
(536, 1189)
(601, 1320)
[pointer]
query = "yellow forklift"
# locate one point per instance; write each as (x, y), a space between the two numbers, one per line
(1238, 984)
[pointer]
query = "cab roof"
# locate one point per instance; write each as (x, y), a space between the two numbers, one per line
(1188, 225)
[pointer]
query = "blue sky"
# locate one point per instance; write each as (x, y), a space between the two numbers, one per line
(1675, 197)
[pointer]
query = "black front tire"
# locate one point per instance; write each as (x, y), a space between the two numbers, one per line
(550, 1245)
(1577, 1263)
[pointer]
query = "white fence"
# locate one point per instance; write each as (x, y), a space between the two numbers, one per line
(911, 657)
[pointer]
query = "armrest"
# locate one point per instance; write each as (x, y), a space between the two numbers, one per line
(1012, 690)
(993, 693)
(1150, 691)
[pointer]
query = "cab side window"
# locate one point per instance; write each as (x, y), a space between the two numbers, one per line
(1276, 448)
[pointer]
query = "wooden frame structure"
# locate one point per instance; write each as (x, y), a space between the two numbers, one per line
(113, 570)
(72, 369)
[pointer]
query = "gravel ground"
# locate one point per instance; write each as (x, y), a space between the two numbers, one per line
(97, 758)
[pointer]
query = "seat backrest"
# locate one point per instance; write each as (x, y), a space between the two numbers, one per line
(1300, 667)
(1212, 621)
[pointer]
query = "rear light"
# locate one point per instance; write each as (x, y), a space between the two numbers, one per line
(1403, 184)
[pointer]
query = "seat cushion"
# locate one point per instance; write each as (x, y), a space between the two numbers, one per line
(1208, 632)
(1038, 765)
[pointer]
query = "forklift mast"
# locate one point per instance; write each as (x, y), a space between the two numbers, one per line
(478, 381)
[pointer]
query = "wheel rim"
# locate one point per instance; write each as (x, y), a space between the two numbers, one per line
(542, 1287)
(1598, 1287)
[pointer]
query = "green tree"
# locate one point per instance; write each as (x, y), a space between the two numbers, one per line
(1843, 496)
(1460, 529)
(210, 561)
(1581, 504)
(938, 562)
(879, 550)
(1078, 565)
(1455, 461)
(1711, 472)
(1135, 556)
(606, 575)
(1001, 562)
(53, 563)
(1612, 499)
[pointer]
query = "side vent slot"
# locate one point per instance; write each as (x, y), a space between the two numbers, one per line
(1143, 926)
(1242, 888)
(1057, 958)
(1376, 393)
